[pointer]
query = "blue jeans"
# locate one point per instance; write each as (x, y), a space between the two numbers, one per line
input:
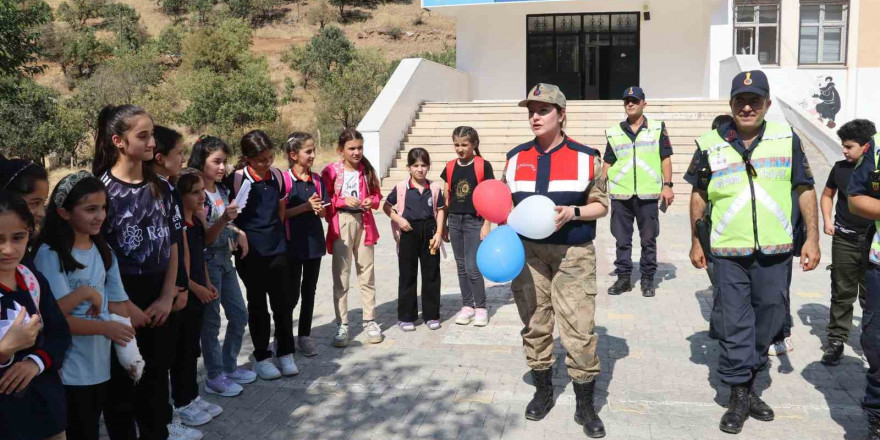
(464, 233)
(225, 279)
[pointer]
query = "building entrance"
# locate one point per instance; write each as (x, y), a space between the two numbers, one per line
(589, 56)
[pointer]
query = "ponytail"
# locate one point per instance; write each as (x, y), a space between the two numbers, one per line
(115, 121)
(471, 134)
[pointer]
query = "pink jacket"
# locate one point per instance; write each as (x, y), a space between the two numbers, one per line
(332, 178)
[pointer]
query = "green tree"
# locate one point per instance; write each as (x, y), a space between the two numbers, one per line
(173, 7)
(20, 36)
(77, 13)
(229, 101)
(219, 47)
(346, 93)
(170, 43)
(127, 78)
(124, 21)
(327, 50)
(32, 122)
(321, 15)
(78, 52)
(342, 4)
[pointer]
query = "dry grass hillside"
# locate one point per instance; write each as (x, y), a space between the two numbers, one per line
(419, 32)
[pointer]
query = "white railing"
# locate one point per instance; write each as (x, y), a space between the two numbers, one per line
(414, 82)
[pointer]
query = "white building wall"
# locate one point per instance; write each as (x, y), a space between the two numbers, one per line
(675, 44)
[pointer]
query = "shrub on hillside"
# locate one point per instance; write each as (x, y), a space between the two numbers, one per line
(77, 51)
(347, 93)
(342, 4)
(170, 43)
(321, 15)
(328, 50)
(225, 102)
(20, 36)
(77, 13)
(127, 78)
(124, 21)
(217, 47)
(173, 7)
(32, 122)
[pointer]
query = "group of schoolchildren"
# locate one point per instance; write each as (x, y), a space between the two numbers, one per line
(111, 286)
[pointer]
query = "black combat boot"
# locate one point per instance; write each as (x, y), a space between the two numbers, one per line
(542, 401)
(584, 413)
(648, 286)
(873, 428)
(738, 411)
(833, 352)
(623, 284)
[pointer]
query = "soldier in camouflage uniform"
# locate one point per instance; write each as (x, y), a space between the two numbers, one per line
(558, 284)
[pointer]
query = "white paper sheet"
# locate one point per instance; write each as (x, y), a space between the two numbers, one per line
(242, 196)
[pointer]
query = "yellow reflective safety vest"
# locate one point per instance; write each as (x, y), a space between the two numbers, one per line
(875, 244)
(637, 170)
(750, 211)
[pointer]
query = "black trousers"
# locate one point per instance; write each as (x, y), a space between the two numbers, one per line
(751, 292)
(146, 403)
(871, 342)
(84, 407)
(304, 282)
(645, 213)
(184, 376)
(262, 277)
(414, 252)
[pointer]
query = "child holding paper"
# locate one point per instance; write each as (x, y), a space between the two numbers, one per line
(264, 270)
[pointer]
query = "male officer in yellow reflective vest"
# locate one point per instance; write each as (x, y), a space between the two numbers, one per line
(864, 192)
(639, 170)
(748, 170)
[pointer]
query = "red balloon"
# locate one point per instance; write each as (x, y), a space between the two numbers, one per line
(492, 201)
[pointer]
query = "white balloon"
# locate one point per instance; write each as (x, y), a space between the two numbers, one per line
(534, 217)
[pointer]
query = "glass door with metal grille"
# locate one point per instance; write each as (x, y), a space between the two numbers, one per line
(589, 56)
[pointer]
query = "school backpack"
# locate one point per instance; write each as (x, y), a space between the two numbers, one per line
(238, 177)
(479, 170)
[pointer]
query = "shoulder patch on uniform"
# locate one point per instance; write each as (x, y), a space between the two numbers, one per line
(520, 148)
(576, 146)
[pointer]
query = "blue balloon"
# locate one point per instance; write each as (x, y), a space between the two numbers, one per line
(501, 255)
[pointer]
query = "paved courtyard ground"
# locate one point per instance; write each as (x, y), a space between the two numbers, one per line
(658, 376)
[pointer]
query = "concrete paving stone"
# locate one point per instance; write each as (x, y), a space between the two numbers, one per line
(658, 379)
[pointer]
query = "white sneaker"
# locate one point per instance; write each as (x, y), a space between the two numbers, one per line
(465, 316)
(176, 431)
(288, 366)
(374, 332)
(208, 407)
(242, 376)
(192, 415)
(780, 348)
(265, 369)
(341, 338)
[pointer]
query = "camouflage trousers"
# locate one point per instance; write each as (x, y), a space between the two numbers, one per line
(558, 285)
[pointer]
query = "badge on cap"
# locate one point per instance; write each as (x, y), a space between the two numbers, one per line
(630, 90)
(748, 81)
(537, 90)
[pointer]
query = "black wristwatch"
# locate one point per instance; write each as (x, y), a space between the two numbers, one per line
(669, 184)
(577, 211)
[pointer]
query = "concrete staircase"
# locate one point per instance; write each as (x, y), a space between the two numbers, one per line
(502, 125)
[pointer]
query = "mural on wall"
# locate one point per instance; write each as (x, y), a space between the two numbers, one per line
(827, 102)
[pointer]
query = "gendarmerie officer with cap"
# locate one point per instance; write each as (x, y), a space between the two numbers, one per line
(748, 170)
(558, 284)
(639, 171)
